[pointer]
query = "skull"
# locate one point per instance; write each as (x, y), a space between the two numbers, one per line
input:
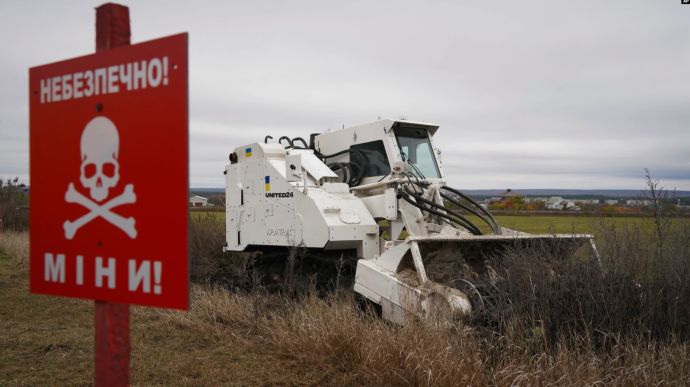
(100, 169)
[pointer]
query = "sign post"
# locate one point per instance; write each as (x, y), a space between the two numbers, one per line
(112, 337)
(109, 181)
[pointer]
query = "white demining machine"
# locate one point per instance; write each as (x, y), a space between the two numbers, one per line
(421, 246)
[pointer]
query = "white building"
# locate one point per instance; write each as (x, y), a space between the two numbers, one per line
(198, 201)
(535, 200)
(586, 201)
(571, 206)
(638, 203)
(555, 203)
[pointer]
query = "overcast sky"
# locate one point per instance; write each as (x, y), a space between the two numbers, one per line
(528, 94)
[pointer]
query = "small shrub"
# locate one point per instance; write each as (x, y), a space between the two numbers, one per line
(14, 210)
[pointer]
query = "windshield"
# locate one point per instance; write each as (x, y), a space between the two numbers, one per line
(416, 148)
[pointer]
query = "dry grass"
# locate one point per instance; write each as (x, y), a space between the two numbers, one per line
(48, 341)
(333, 338)
(580, 329)
(15, 245)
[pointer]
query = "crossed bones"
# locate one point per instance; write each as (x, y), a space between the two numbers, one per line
(125, 224)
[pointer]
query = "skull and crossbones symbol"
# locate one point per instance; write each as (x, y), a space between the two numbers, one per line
(100, 171)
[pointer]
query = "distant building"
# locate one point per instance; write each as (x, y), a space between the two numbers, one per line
(494, 199)
(586, 201)
(505, 196)
(555, 203)
(198, 201)
(638, 203)
(611, 202)
(571, 206)
(535, 200)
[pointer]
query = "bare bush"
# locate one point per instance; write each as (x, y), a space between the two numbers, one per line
(662, 209)
(575, 301)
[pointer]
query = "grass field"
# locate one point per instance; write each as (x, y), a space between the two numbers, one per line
(561, 224)
(588, 330)
(49, 340)
(542, 224)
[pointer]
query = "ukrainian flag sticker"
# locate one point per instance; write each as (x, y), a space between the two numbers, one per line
(248, 152)
(267, 183)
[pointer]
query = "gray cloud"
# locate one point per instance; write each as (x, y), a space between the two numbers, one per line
(539, 94)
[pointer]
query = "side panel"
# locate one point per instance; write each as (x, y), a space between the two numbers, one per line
(272, 211)
(383, 206)
(233, 203)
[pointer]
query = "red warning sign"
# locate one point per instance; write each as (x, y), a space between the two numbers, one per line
(109, 175)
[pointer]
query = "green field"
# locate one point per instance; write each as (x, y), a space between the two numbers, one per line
(568, 224)
(542, 224)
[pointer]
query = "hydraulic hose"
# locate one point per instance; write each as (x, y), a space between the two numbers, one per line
(353, 172)
(342, 152)
(306, 146)
(280, 140)
(469, 227)
(356, 170)
(494, 227)
(475, 230)
(469, 199)
(341, 166)
(356, 177)
(492, 224)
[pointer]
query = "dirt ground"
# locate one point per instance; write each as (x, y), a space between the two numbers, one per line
(49, 341)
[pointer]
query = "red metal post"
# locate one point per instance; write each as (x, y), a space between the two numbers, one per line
(112, 344)
(112, 26)
(112, 320)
